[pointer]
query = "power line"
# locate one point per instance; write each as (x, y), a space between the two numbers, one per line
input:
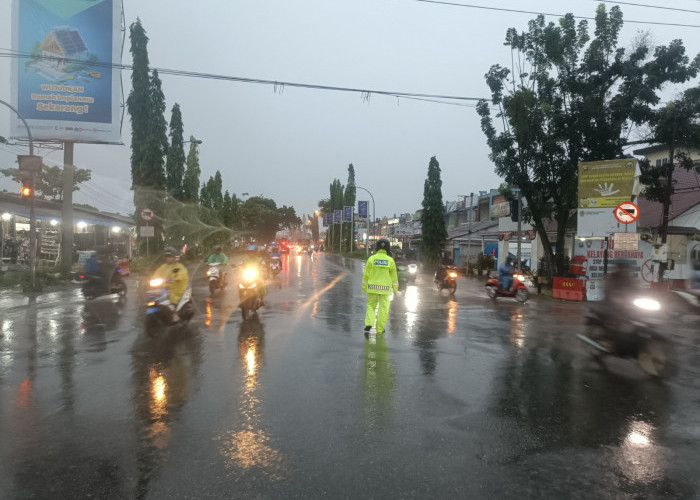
(649, 6)
(549, 14)
(275, 83)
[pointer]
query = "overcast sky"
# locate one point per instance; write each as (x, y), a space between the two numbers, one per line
(288, 143)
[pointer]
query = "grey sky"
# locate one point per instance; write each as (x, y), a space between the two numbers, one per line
(289, 144)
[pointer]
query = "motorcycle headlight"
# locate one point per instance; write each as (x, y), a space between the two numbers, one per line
(453, 275)
(156, 282)
(412, 269)
(250, 274)
(209, 272)
(520, 277)
(647, 304)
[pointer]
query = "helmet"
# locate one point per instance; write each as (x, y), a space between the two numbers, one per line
(383, 244)
(170, 252)
(252, 247)
(217, 248)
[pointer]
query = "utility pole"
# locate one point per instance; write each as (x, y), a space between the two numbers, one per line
(67, 209)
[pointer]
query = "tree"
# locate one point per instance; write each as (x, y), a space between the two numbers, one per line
(260, 218)
(190, 184)
(335, 202)
(433, 228)
(48, 183)
(175, 161)
(570, 99)
(677, 126)
(149, 141)
(349, 201)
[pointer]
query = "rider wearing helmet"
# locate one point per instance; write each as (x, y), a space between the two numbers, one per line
(218, 256)
(252, 259)
(174, 273)
(378, 281)
(275, 252)
(505, 273)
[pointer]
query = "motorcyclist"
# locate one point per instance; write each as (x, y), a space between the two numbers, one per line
(275, 253)
(101, 265)
(219, 257)
(505, 274)
(445, 262)
(175, 275)
(252, 258)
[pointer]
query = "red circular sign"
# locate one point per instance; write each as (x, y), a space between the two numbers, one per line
(626, 212)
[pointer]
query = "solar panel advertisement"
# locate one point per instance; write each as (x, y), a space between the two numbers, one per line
(64, 83)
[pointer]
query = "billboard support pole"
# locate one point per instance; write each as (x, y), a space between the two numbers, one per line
(67, 208)
(32, 215)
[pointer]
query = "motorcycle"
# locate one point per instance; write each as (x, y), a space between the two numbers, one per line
(94, 286)
(217, 277)
(518, 291)
(448, 280)
(275, 265)
(249, 298)
(402, 275)
(412, 271)
(160, 311)
(633, 333)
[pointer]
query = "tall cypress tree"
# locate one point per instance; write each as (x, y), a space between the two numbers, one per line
(175, 161)
(190, 184)
(349, 201)
(138, 102)
(157, 135)
(433, 218)
(217, 198)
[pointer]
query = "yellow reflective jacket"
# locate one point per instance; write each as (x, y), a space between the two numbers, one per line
(177, 280)
(380, 274)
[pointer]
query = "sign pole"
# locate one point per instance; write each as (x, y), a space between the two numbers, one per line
(147, 252)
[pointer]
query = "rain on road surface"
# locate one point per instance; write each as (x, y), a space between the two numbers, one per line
(461, 398)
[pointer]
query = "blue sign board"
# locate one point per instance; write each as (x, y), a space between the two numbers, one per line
(337, 214)
(362, 209)
(327, 220)
(347, 214)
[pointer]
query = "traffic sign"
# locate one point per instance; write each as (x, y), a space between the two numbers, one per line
(626, 212)
(147, 214)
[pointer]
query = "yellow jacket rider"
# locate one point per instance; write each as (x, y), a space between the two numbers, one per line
(175, 275)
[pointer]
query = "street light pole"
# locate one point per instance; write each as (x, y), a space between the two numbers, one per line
(32, 214)
(373, 215)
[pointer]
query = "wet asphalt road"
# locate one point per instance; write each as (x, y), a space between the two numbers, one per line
(461, 398)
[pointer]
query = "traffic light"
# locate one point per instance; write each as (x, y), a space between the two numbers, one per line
(514, 210)
(27, 191)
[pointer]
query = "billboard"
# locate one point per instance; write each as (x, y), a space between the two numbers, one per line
(66, 82)
(347, 214)
(337, 216)
(603, 184)
(362, 209)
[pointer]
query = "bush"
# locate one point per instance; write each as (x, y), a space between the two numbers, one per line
(484, 263)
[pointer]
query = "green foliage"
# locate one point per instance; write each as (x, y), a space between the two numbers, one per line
(335, 202)
(48, 184)
(190, 183)
(349, 201)
(571, 98)
(175, 161)
(434, 231)
(485, 263)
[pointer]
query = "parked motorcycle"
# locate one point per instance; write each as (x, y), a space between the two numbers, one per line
(635, 332)
(448, 279)
(93, 285)
(518, 291)
(160, 311)
(249, 298)
(217, 277)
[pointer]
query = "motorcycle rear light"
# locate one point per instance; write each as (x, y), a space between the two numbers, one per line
(82, 276)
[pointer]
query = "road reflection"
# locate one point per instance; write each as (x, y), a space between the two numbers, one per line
(162, 370)
(379, 382)
(249, 446)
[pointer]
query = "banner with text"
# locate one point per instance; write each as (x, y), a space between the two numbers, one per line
(66, 83)
(362, 209)
(608, 183)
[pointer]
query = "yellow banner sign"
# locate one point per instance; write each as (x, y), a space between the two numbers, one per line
(607, 183)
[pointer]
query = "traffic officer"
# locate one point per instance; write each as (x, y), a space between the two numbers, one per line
(378, 281)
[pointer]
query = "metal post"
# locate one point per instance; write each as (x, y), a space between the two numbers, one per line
(67, 209)
(520, 222)
(374, 218)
